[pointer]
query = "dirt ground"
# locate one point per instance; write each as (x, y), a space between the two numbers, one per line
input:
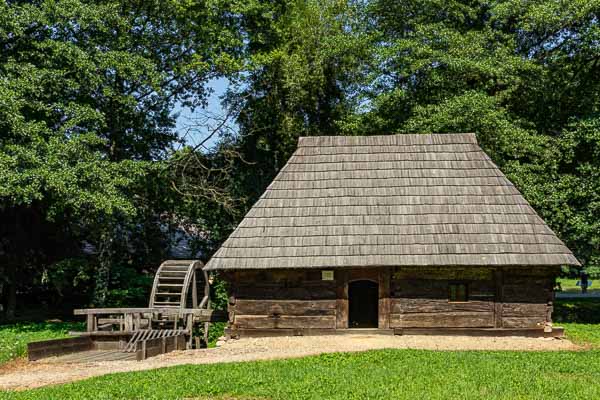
(22, 375)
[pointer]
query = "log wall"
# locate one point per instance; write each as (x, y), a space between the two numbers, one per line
(527, 298)
(497, 298)
(409, 298)
(282, 300)
(420, 298)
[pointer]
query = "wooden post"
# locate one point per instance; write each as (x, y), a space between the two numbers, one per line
(384, 298)
(190, 329)
(499, 282)
(137, 322)
(206, 326)
(341, 314)
(194, 291)
(143, 349)
(128, 322)
(91, 322)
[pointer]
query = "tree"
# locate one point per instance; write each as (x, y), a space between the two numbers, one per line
(522, 75)
(300, 78)
(87, 91)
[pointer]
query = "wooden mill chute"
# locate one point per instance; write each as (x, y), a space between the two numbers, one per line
(172, 284)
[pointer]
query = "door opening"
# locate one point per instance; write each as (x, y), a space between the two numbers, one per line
(363, 298)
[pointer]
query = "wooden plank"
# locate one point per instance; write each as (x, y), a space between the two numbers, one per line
(525, 293)
(489, 332)
(411, 305)
(305, 332)
(284, 322)
(91, 323)
(445, 320)
(285, 307)
(57, 347)
(364, 274)
(262, 291)
(342, 305)
(524, 322)
(420, 288)
(498, 297)
(443, 273)
(384, 298)
(158, 310)
(524, 310)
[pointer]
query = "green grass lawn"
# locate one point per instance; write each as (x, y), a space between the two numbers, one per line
(14, 338)
(390, 374)
(570, 285)
(381, 374)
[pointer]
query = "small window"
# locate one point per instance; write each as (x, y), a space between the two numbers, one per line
(457, 292)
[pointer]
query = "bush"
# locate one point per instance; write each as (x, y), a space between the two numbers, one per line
(584, 311)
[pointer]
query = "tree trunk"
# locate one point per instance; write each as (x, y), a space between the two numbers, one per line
(105, 258)
(11, 294)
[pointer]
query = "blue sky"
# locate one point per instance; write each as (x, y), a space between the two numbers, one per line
(186, 116)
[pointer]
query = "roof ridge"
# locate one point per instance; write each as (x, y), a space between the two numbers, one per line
(399, 139)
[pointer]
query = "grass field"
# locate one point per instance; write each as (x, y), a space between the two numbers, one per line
(570, 285)
(389, 374)
(14, 338)
(392, 374)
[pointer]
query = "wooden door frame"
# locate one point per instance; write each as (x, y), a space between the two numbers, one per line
(381, 276)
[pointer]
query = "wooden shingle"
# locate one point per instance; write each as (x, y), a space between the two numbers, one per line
(396, 200)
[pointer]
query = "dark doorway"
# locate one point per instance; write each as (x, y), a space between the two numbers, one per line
(363, 298)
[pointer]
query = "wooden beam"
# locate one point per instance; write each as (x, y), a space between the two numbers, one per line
(493, 332)
(384, 298)
(342, 311)
(498, 297)
(159, 310)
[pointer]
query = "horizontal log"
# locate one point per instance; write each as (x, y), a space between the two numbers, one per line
(284, 322)
(524, 309)
(57, 347)
(490, 332)
(437, 289)
(159, 310)
(260, 292)
(285, 307)
(409, 305)
(445, 320)
(532, 272)
(110, 321)
(523, 322)
(420, 288)
(525, 294)
(444, 273)
(543, 281)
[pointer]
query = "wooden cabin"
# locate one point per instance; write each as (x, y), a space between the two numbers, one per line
(414, 233)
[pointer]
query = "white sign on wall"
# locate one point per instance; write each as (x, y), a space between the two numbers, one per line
(327, 275)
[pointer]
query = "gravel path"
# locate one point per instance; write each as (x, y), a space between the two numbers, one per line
(26, 375)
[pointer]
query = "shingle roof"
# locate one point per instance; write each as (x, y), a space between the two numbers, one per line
(418, 200)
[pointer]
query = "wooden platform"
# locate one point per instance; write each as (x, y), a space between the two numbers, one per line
(491, 332)
(93, 347)
(93, 356)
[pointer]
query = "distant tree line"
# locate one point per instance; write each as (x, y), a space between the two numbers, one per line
(95, 177)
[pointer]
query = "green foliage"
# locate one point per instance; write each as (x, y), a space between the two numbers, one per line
(397, 374)
(87, 94)
(582, 311)
(14, 338)
(301, 78)
(522, 76)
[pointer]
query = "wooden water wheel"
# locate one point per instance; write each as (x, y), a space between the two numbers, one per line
(177, 283)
